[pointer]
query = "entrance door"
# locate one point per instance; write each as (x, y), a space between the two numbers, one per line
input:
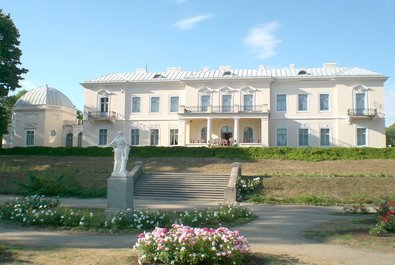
(226, 134)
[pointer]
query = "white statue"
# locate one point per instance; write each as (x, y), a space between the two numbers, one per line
(121, 153)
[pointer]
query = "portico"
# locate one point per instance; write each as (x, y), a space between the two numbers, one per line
(226, 128)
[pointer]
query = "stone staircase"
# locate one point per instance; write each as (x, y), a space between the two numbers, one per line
(181, 186)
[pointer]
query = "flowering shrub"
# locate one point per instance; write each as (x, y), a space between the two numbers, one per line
(385, 218)
(246, 186)
(186, 245)
(39, 210)
(139, 220)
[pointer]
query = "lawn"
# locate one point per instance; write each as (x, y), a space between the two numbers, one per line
(285, 181)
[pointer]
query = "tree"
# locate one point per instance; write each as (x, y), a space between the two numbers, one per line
(390, 135)
(10, 70)
(6, 105)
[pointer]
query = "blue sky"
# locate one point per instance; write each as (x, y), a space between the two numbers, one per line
(67, 42)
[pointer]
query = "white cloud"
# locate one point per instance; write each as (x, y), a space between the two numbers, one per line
(188, 23)
(389, 104)
(262, 40)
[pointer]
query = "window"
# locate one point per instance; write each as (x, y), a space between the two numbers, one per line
(69, 140)
(302, 102)
(103, 137)
(135, 137)
(281, 102)
(154, 136)
(248, 135)
(79, 140)
(325, 139)
(361, 136)
(174, 104)
(324, 102)
(154, 104)
(29, 138)
(136, 104)
(104, 104)
(361, 103)
(203, 134)
(173, 136)
(205, 102)
(281, 137)
(303, 137)
(248, 102)
(226, 103)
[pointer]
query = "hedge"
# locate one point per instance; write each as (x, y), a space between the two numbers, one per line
(246, 153)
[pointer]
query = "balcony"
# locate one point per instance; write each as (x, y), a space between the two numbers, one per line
(226, 109)
(362, 113)
(357, 114)
(110, 116)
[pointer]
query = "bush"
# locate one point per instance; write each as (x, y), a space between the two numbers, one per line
(186, 245)
(385, 218)
(247, 186)
(63, 185)
(39, 210)
(286, 153)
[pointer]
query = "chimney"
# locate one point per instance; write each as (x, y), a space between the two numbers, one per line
(261, 67)
(140, 70)
(329, 65)
(224, 68)
(292, 66)
(205, 69)
(174, 69)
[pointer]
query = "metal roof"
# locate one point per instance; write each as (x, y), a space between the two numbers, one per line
(277, 73)
(44, 95)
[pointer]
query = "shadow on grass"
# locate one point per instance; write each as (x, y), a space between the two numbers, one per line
(9, 257)
(271, 259)
(352, 231)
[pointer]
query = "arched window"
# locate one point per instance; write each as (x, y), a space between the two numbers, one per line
(69, 140)
(248, 135)
(79, 140)
(203, 134)
(226, 129)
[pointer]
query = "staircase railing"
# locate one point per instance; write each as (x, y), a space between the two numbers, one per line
(231, 189)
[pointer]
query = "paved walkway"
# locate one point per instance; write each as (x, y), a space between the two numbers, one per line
(277, 230)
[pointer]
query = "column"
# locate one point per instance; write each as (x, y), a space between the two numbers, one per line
(209, 121)
(236, 130)
(265, 132)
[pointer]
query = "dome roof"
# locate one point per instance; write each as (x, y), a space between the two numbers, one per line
(44, 95)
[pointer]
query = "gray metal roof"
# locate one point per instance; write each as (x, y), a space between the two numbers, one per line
(44, 95)
(278, 73)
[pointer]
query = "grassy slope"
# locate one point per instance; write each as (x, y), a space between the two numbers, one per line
(343, 181)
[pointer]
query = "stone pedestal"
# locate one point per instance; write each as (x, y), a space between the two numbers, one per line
(119, 193)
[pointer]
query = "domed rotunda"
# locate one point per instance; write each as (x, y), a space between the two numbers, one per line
(44, 116)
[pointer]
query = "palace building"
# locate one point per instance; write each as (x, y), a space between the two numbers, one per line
(324, 107)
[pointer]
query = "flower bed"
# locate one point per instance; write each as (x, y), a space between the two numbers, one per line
(385, 218)
(186, 245)
(39, 210)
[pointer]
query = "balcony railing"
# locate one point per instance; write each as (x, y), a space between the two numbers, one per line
(103, 116)
(362, 112)
(227, 109)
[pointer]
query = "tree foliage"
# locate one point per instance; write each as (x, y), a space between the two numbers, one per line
(10, 70)
(390, 135)
(6, 105)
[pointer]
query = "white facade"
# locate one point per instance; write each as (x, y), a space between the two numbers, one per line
(43, 117)
(328, 106)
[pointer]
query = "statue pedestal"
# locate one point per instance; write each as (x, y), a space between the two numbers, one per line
(119, 193)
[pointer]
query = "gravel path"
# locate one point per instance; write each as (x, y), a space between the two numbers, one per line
(277, 230)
